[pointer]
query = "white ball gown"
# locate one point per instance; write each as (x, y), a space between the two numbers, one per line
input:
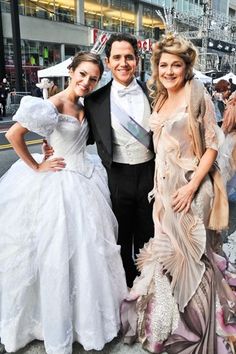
(61, 275)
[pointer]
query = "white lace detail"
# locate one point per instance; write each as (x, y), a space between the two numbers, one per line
(165, 315)
(68, 118)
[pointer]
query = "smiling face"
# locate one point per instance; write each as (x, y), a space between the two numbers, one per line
(122, 62)
(172, 70)
(84, 78)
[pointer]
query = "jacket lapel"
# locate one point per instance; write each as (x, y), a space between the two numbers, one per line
(102, 112)
(101, 106)
(144, 88)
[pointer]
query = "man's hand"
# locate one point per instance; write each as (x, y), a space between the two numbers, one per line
(47, 149)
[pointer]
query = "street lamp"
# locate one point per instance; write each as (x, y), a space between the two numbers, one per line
(205, 29)
(16, 39)
(174, 14)
(169, 17)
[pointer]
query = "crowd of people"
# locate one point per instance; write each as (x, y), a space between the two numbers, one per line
(91, 246)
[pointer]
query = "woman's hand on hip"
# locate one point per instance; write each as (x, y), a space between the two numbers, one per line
(54, 165)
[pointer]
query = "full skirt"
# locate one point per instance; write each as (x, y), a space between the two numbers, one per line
(61, 275)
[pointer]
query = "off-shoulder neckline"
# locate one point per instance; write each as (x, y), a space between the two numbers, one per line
(74, 118)
(65, 114)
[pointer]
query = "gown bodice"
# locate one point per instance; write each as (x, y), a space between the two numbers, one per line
(69, 141)
(175, 157)
(69, 135)
(65, 133)
(174, 153)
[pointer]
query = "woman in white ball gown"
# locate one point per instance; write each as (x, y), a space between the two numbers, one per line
(61, 275)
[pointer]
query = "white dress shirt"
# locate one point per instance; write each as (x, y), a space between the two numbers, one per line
(132, 99)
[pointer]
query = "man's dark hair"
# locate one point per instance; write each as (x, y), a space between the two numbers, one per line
(119, 37)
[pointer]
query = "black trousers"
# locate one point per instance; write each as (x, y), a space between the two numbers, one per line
(129, 186)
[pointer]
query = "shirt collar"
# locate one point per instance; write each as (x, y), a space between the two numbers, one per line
(118, 86)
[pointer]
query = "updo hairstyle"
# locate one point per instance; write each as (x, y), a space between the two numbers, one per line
(176, 45)
(82, 57)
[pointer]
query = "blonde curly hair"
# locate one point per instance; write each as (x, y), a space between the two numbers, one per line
(171, 44)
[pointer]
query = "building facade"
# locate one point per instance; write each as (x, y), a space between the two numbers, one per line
(53, 30)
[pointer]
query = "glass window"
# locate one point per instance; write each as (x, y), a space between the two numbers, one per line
(110, 15)
(152, 23)
(35, 56)
(93, 20)
(58, 10)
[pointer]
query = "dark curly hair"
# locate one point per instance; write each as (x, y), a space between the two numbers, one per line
(119, 37)
(81, 57)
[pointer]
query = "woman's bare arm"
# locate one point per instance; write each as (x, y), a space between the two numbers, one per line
(15, 136)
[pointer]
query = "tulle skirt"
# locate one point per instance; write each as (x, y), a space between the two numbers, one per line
(61, 275)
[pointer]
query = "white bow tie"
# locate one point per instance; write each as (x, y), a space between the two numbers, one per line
(128, 91)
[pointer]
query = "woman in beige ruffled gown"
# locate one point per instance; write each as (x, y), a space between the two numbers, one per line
(181, 302)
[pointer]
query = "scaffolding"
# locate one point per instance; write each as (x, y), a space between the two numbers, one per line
(210, 29)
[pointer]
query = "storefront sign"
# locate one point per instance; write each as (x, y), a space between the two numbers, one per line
(96, 34)
(145, 45)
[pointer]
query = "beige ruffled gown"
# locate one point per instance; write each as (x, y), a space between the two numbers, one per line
(172, 304)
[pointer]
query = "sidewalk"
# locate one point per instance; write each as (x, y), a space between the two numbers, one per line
(7, 118)
(115, 347)
(6, 122)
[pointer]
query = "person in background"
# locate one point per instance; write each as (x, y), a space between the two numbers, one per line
(2, 101)
(220, 97)
(229, 129)
(6, 85)
(209, 88)
(53, 89)
(181, 303)
(4, 91)
(67, 81)
(61, 274)
(232, 85)
(35, 91)
(227, 155)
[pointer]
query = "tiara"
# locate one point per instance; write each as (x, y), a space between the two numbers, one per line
(168, 21)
